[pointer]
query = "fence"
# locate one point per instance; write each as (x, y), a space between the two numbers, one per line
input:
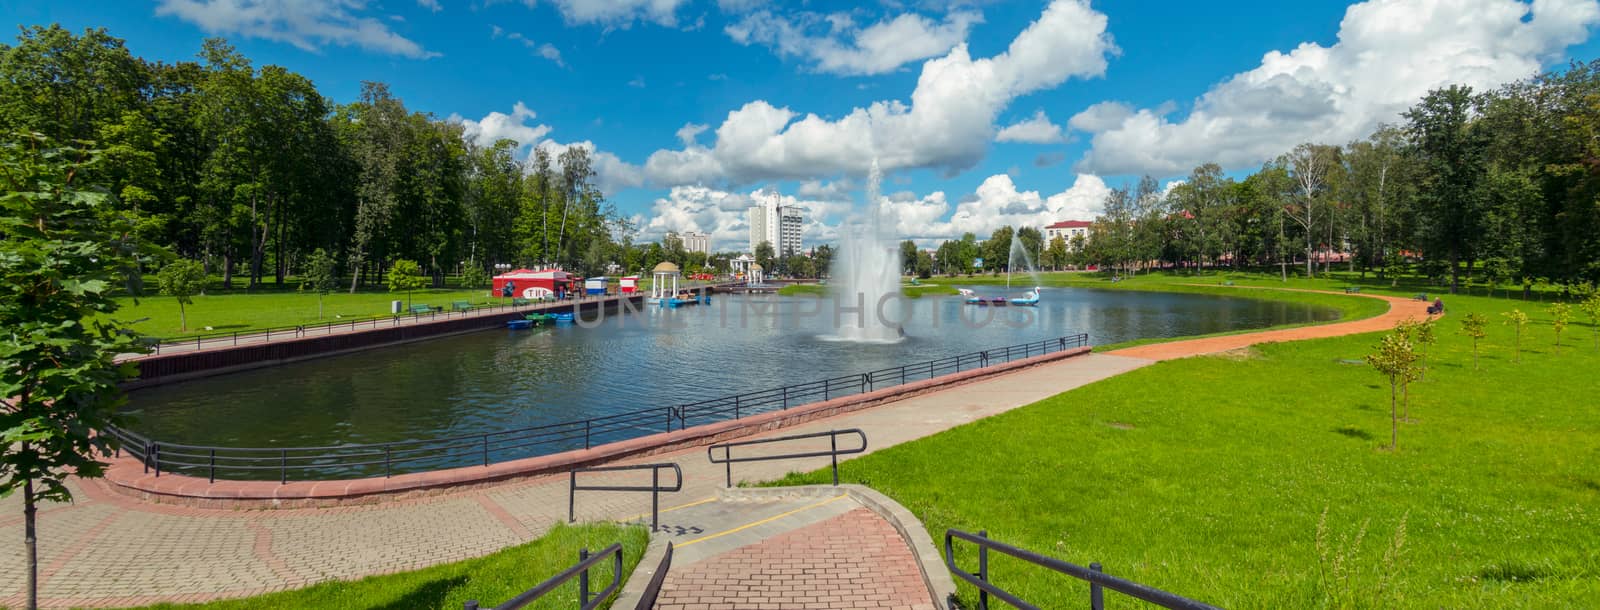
(833, 452)
(1097, 579)
(581, 571)
(655, 487)
(484, 448)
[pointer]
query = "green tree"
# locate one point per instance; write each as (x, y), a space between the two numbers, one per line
(1591, 309)
(321, 275)
(1517, 320)
(473, 275)
(61, 256)
(182, 278)
(765, 256)
(1472, 325)
(1395, 359)
(908, 257)
(1424, 338)
(1450, 154)
(405, 275)
(1560, 317)
(924, 265)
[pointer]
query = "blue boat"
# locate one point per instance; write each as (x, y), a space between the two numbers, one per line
(1028, 298)
(519, 324)
(564, 317)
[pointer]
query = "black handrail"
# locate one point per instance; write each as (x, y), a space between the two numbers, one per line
(485, 448)
(833, 451)
(580, 570)
(1096, 578)
(647, 600)
(655, 487)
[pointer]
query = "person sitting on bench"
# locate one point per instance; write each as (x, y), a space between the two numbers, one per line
(1436, 308)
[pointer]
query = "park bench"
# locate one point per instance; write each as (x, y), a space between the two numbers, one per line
(461, 306)
(1352, 290)
(1421, 296)
(519, 302)
(1228, 283)
(421, 309)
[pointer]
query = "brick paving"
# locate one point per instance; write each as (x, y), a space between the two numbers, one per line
(854, 561)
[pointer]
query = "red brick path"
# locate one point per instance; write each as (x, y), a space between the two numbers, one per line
(855, 560)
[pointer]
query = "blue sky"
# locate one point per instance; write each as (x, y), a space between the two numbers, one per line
(1124, 88)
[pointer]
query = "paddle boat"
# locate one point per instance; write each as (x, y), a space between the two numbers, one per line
(519, 324)
(1029, 298)
(539, 319)
(563, 317)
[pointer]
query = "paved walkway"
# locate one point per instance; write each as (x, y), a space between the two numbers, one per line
(1399, 309)
(854, 560)
(109, 550)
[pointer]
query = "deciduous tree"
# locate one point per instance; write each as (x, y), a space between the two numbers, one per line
(182, 279)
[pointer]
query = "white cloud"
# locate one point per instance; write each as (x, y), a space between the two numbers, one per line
(432, 5)
(689, 132)
(1034, 130)
(721, 215)
(947, 125)
(833, 44)
(618, 13)
(307, 24)
(1388, 55)
(612, 174)
(637, 82)
(996, 202)
(545, 50)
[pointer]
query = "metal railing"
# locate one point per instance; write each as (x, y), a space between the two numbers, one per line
(485, 448)
(1097, 579)
(833, 451)
(655, 487)
(647, 599)
(581, 571)
(231, 338)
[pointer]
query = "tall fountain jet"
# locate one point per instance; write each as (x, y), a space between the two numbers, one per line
(866, 272)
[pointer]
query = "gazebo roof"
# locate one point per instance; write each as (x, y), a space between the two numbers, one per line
(667, 268)
(755, 266)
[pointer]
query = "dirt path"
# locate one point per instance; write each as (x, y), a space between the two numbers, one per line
(1399, 309)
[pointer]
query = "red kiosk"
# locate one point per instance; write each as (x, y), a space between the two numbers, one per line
(529, 284)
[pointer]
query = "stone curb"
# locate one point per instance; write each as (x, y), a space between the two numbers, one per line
(934, 574)
(639, 579)
(127, 475)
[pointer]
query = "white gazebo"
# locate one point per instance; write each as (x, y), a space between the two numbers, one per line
(742, 263)
(664, 282)
(755, 276)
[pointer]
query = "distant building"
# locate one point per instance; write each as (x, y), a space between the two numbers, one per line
(772, 222)
(1066, 230)
(696, 242)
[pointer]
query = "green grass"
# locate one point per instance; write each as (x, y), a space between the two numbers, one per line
(1209, 476)
(490, 580)
(243, 311)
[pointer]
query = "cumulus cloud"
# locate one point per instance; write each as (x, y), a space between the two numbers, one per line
(996, 202)
(721, 215)
(689, 132)
(947, 125)
(306, 24)
(926, 219)
(612, 174)
(545, 50)
(1389, 54)
(834, 44)
(1034, 130)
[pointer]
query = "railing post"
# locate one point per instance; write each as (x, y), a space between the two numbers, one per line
(156, 447)
(385, 462)
(586, 433)
(833, 454)
(727, 456)
(902, 374)
(736, 406)
(146, 458)
(283, 466)
(213, 476)
(825, 383)
(1096, 596)
(583, 579)
(983, 570)
(785, 397)
(486, 449)
(572, 493)
(655, 499)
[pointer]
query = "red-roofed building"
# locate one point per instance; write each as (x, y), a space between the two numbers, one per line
(1066, 230)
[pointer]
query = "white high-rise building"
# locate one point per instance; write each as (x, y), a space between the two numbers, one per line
(772, 222)
(696, 242)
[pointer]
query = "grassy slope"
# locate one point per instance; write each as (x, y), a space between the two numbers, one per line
(1207, 476)
(241, 311)
(491, 579)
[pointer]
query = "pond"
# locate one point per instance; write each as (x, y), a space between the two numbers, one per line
(501, 379)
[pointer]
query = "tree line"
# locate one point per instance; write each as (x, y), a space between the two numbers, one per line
(250, 170)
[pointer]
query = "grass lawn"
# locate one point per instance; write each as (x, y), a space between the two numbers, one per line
(242, 311)
(1210, 476)
(490, 580)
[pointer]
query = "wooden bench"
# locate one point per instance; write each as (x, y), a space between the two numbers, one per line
(421, 309)
(1421, 296)
(461, 306)
(1352, 290)
(519, 302)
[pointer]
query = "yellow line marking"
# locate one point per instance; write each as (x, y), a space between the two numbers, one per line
(642, 516)
(755, 523)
